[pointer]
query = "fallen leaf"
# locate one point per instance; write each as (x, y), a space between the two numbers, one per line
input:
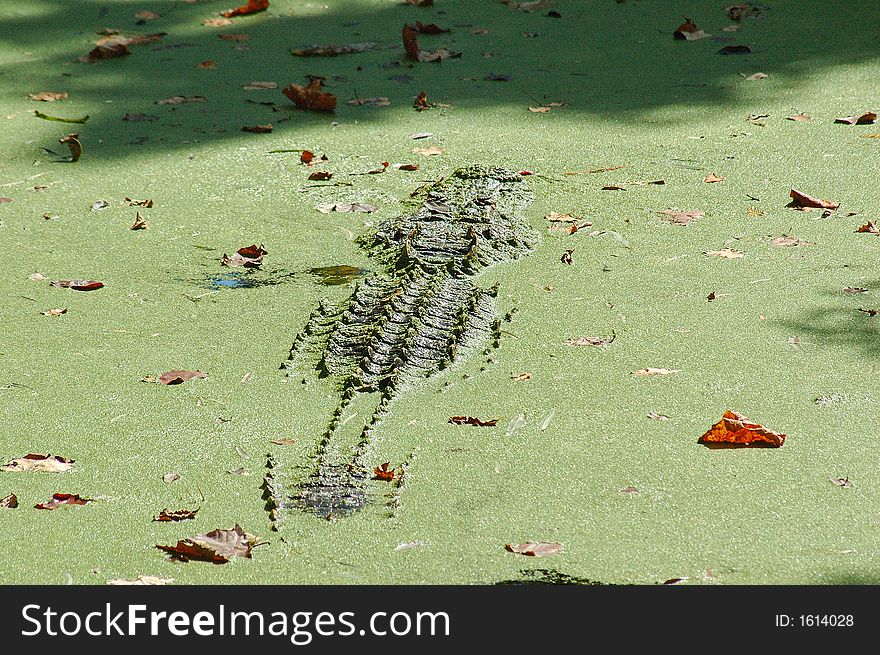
(142, 580)
(869, 228)
(59, 499)
(679, 217)
(860, 119)
(257, 129)
(755, 76)
(59, 119)
(320, 176)
(591, 341)
(629, 490)
(657, 417)
(532, 5)
(334, 50)
(842, 482)
(176, 514)
(249, 256)
(785, 241)
(73, 144)
(726, 253)
(57, 311)
(535, 549)
(853, 290)
(259, 86)
(406, 167)
(140, 117)
(371, 102)
(415, 53)
(235, 37)
(470, 420)
(9, 502)
(384, 473)
(734, 429)
(282, 442)
(311, 97)
(239, 471)
(427, 152)
(77, 285)
(870, 312)
(216, 22)
(799, 118)
(674, 581)
(421, 135)
(168, 478)
(105, 51)
(344, 207)
(49, 96)
(139, 223)
(131, 202)
(430, 28)
(654, 371)
(208, 64)
(218, 546)
(252, 7)
(688, 31)
(39, 464)
(521, 377)
(800, 200)
(421, 102)
(735, 50)
(711, 177)
(178, 376)
(566, 256)
(179, 100)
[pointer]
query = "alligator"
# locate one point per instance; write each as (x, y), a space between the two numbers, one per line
(418, 315)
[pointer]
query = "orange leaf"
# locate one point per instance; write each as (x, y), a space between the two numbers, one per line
(310, 97)
(252, 7)
(383, 473)
(735, 430)
(411, 42)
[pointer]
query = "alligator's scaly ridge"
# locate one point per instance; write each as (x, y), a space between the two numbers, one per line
(408, 322)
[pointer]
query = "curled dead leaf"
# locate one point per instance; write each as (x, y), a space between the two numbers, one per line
(178, 376)
(383, 472)
(642, 372)
(59, 499)
(470, 420)
(217, 546)
(77, 285)
(735, 430)
(866, 118)
(311, 97)
(49, 96)
(726, 253)
(9, 502)
(252, 7)
(688, 31)
(176, 514)
(534, 549)
(801, 200)
(249, 256)
(39, 463)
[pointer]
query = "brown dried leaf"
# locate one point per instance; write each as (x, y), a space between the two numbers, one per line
(371, 102)
(178, 376)
(591, 341)
(311, 97)
(429, 151)
(252, 7)
(179, 100)
(131, 202)
(9, 502)
(208, 64)
(334, 50)
(521, 377)
(470, 420)
(106, 51)
(535, 549)
(567, 256)
(321, 176)
(799, 118)
(249, 256)
(38, 463)
(726, 253)
(168, 478)
(282, 442)
(867, 118)
(257, 129)
(800, 200)
(711, 177)
(785, 241)
(57, 311)
(176, 514)
(142, 580)
(642, 372)
(139, 223)
(869, 228)
(218, 546)
(59, 499)
(679, 217)
(73, 144)
(49, 96)
(688, 31)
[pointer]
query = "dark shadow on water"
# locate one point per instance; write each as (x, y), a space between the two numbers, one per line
(605, 60)
(550, 577)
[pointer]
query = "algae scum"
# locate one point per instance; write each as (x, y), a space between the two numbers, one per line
(421, 313)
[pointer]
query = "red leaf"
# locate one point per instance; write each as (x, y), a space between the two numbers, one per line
(384, 473)
(249, 257)
(306, 157)
(310, 97)
(77, 285)
(252, 7)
